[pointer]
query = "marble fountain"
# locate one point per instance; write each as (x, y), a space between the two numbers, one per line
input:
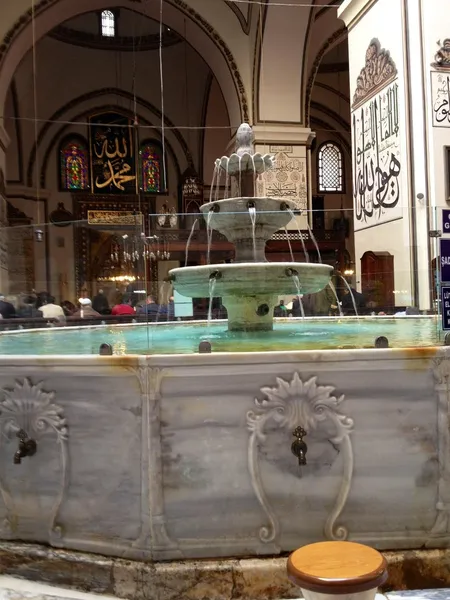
(164, 457)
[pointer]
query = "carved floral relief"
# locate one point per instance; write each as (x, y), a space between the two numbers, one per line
(288, 406)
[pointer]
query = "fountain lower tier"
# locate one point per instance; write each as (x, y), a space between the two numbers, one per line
(250, 291)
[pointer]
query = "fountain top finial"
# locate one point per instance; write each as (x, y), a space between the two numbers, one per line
(244, 159)
(244, 140)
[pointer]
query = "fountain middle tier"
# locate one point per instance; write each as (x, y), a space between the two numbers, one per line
(232, 217)
(250, 291)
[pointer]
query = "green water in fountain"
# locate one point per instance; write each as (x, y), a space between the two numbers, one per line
(184, 338)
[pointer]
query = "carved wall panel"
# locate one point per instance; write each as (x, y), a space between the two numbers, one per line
(29, 409)
(376, 146)
(305, 404)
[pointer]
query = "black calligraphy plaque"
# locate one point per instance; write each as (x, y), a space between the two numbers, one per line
(113, 164)
(376, 156)
(440, 91)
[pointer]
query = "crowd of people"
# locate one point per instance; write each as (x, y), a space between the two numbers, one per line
(326, 303)
(44, 306)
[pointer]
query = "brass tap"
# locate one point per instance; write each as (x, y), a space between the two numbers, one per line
(299, 447)
(27, 447)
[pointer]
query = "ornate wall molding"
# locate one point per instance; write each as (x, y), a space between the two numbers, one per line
(289, 405)
(442, 56)
(378, 72)
(30, 408)
(245, 21)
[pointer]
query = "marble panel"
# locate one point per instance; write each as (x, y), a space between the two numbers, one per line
(169, 457)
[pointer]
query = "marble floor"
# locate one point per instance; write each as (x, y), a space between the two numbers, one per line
(12, 588)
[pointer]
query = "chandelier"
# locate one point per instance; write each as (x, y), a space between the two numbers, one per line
(129, 251)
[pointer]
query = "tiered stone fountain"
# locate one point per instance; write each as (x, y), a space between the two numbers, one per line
(250, 286)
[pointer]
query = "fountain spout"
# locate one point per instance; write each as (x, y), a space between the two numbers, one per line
(299, 447)
(27, 447)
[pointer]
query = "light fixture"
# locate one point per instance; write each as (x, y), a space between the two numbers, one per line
(39, 235)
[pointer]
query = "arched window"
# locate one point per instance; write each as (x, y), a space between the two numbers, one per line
(74, 164)
(151, 168)
(330, 169)
(108, 23)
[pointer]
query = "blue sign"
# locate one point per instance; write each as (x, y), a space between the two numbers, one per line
(445, 307)
(446, 221)
(445, 260)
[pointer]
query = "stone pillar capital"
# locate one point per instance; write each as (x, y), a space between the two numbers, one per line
(278, 134)
(283, 133)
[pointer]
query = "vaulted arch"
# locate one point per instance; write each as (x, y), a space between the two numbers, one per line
(178, 15)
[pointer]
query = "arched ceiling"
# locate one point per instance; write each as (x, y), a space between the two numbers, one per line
(286, 67)
(209, 27)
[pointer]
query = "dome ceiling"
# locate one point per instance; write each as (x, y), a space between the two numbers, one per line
(134, 32)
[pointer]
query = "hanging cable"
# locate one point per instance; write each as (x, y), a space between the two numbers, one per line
(162, 91)
(38, 232)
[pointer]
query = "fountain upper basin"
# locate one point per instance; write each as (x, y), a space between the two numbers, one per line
(249, 279)
(232, 218)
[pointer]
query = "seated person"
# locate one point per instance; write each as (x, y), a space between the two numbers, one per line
(68, 307)
(124, 308)
(280, 310)
(27, 308)
(51, 310)
(86, 311)
(7, 310)
(347, 301)
(151, 309)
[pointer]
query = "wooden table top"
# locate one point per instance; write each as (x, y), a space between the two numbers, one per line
(337, 567)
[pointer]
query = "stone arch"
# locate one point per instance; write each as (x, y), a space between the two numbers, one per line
(333, 40)
(271, 60)
(59, 114)
(202, 36)
(54, 141)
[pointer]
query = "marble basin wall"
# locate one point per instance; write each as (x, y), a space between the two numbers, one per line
(170, 457)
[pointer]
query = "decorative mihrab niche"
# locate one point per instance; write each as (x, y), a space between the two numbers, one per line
(376, 151)
(288, 178)
(440, 86)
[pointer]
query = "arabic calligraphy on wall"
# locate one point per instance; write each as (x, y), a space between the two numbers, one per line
(440, 93)
(377, 159)
(114, 217)
(288, 178)
(112, 154)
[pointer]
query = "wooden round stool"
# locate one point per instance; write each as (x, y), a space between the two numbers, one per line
(327, 569)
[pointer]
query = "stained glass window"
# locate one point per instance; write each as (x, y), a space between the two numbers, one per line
(330, 169)
(108, 24)
(74, 165)
(152, 178)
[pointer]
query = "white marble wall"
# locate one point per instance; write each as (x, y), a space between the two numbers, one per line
(172, 457)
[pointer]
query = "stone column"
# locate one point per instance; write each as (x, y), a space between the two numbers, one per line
(4, 279)
(290, 178)
(389, 141)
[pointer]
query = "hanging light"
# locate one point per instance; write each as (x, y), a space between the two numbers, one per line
(39, 235)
